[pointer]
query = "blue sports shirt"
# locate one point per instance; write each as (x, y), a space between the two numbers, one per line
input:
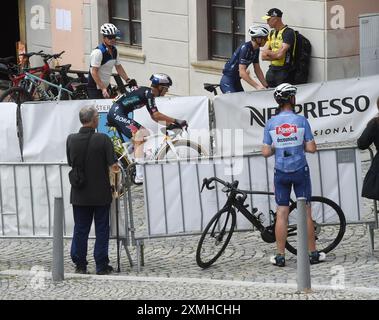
(245, 54)
(288, 132)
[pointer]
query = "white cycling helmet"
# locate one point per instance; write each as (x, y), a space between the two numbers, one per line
(284, 92)
(258, 32)
(109, 29)
(161, 79)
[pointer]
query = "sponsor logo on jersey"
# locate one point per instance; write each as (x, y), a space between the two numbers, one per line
(286, 129)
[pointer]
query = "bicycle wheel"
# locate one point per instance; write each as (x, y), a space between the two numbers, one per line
(215, 237)
(15, 94)
(125, 163)
(329, 221)
(185, 149)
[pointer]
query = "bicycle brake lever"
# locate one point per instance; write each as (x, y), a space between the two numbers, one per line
(206, 184)
(203, 185)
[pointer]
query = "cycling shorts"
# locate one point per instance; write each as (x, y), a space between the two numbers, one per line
(283, 182)
(230, 84)
(123, 121)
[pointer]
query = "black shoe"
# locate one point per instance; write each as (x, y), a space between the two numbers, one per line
(278, 260)
(105, 271)
(81, 270)
(316, 257)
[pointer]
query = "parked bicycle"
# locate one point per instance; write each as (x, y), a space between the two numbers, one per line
(328, 217)
(212, 87)
(172, 145)
(35, 85)
(23, 89)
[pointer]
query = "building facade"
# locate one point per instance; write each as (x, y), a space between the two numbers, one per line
(191, 39)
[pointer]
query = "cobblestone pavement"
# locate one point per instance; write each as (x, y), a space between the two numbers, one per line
(170, 271)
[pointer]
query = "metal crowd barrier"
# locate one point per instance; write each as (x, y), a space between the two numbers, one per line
(174, 206)
(27, 193)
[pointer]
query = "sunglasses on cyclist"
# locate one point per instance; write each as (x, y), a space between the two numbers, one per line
(111, 37)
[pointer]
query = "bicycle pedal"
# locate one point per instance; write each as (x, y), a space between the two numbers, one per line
(254, 210)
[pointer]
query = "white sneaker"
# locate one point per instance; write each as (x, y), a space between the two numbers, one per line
(138, 180)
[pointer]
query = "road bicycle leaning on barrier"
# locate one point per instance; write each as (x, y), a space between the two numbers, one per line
(173, 144)
(328, 217)
(211, 87)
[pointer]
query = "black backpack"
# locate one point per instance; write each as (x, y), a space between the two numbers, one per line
(301, 59)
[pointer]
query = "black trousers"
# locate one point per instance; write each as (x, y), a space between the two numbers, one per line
(94, 93)
(275, 77)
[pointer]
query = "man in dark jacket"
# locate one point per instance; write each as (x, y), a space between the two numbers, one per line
(94, 152)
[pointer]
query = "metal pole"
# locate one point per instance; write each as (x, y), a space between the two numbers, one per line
(117, 212)
(58, 268)
(303, 266)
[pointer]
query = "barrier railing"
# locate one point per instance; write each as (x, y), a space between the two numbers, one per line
(27, 192)
(175, 207)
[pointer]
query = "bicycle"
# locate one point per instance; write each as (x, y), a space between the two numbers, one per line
(212, 87)
(173, 146)
(328, 217)
(20, 94)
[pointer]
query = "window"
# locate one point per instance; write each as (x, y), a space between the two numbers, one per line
(226, 25)
(126, 16)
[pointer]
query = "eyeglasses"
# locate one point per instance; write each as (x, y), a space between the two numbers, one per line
(111, 37)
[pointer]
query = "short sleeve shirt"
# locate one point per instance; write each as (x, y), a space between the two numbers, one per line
(105, 70)
(137, 99)
(288, 132)
(245, 55)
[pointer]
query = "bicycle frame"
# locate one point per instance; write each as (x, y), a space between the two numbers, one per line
(168, 138)
(236, 199)
(37, 80)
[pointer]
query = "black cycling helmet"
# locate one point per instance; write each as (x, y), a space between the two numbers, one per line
(284, 92)
(161, 79)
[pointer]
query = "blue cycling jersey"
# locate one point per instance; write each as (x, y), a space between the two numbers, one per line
(245, 54)
(288, 132)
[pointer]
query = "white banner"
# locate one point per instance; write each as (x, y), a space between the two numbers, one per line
(174, 204)
(46, 127)
(47, 124)
(9, 146)
(337, 111)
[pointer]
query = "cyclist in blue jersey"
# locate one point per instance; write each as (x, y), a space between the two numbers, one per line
(289, 137)
(118, 115)
(237, 66)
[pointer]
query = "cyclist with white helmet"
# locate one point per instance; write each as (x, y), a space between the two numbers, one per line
(289, 136)
(102, 61)
(237, 66)
(119, 114)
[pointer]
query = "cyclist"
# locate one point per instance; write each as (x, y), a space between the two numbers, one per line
(118, 114)
(246, 54)
(289, 136)
(103, 59)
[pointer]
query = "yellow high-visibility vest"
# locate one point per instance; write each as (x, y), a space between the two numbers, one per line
(275, 42)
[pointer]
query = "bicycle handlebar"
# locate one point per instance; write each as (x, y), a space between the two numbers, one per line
(30, 54)
(207, 182)
(228, 187)
(47, 56)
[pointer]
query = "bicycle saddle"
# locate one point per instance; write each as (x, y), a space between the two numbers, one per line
(64, 67)
(211, 87)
